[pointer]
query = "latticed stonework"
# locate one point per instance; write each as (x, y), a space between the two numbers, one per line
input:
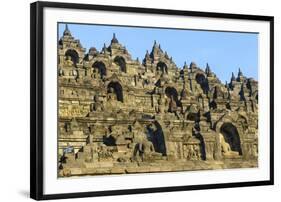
(121, 115)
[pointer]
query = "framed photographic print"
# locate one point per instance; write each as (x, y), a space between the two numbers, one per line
(136, 100)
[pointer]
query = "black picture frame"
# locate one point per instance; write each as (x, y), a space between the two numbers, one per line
(36, 99)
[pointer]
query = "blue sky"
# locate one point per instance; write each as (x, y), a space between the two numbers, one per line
(224, 51)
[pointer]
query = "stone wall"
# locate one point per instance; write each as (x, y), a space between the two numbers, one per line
(120, 115)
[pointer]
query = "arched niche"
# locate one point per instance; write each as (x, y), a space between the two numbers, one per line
(161, 66)
(213, 105)
(120, 61)
(156, 136)
(73, 55)
(101, 68)
(109, 140)
(231, 136)
(203, 82)
(116, 88)
(171, 92)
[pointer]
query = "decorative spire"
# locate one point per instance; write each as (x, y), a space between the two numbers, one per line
(241, 93)
(114, 39)
(192, 65)
(208, 69)
(147, 54)
(154, 43)
(155, 49)
(185, 66)
(240, 73)
(147, 58)
(233, 77)
(66, 31)
(104, 48)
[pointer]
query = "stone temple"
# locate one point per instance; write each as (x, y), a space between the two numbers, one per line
(122, 115)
